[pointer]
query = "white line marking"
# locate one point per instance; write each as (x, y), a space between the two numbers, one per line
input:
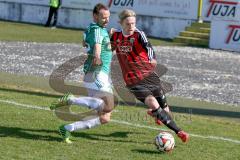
(24, 105)
(122, 122)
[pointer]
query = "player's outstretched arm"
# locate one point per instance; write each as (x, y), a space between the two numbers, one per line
(97, 52)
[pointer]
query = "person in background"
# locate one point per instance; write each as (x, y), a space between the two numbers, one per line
(53, 11)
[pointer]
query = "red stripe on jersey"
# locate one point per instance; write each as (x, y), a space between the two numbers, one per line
(133, 56)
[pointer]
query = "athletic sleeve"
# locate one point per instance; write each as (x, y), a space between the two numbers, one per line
(147, 45)
(113, 41)
(98, 38)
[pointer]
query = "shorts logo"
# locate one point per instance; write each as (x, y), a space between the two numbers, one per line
(222, 8)
(234, 34)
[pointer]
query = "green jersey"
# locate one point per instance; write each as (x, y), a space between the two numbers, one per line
(55, 3)
(96, 34)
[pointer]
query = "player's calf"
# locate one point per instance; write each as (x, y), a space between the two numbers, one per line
(105, 118)
(157, 121)
(166, 119)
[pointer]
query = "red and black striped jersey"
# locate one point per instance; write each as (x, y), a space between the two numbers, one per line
(134, 54)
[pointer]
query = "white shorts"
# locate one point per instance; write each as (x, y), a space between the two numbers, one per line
(97, 82)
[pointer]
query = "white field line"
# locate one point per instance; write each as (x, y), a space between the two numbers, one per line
(121, 122)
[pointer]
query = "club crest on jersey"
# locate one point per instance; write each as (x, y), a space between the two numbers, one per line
(132, 40)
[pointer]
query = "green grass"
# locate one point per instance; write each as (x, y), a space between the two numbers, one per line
(32, 134)
(13, 31)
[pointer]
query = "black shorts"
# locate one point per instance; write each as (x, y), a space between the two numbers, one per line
(151, 85)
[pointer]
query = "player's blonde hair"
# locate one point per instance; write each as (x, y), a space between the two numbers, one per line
(126, 13)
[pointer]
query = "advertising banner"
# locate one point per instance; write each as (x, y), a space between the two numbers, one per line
(225, 35)
(183, 9)
(228, 10)
(35, 2)
(82, 4)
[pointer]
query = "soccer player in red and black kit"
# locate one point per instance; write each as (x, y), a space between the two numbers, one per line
(137, 60)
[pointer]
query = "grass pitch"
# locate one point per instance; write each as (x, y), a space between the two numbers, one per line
(28, 130)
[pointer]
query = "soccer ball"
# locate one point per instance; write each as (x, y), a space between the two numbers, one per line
(165, 142)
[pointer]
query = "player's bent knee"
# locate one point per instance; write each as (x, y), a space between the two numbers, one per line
(108, 104)
(151, 102)
(105, 118)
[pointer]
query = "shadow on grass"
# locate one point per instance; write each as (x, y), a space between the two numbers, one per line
(196, 111)
(112, 137)
(206, 112)
(46, 135)
(150, 152)
(32, 134)
(36, 93)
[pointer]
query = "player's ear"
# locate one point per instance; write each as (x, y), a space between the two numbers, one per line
(95, 17)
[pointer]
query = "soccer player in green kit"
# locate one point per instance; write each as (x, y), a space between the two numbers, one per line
(96, 78)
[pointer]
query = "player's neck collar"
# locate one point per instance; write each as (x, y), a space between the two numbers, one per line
(126, 35)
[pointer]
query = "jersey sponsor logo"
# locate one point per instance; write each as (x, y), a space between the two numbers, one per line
(222, 8)
(234, 34)
(125, 46)
(125, 49)
(121, 3)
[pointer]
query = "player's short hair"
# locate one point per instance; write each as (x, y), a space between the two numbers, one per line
(98, 7)
(126, 13)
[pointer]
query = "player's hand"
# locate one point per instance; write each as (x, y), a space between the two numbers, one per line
(84, 44)
(112, 30)
(153, 62)
(97, 61)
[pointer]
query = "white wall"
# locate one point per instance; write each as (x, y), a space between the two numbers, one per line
(179, 9)
(158, 18)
